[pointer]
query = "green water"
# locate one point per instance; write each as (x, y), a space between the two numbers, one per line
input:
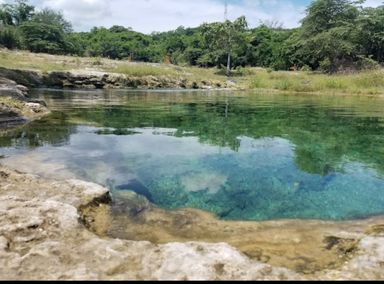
(242, 156)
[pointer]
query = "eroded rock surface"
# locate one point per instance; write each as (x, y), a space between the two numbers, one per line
(88, 79)
(42, 238)
(15, 106)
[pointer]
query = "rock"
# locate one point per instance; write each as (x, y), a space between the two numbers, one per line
(85, 79)
(41, 238)
(14, 106)
(22, 77)
(36, 107)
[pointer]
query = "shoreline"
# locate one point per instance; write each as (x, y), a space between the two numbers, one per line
(44, 224)
(16, 108)
(303, 246)
(42, 231)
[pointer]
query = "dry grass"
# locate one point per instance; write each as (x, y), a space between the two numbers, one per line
(369, 82)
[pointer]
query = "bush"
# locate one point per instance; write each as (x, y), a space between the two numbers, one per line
(244, 71)
(97, 61)
(326, 65)
(366, 63)
(305, 68)
(9, 37)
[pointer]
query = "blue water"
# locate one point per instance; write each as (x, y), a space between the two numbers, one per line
(241, 156)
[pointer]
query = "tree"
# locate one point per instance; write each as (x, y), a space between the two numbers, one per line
(53, 18)
(265, 48)
(323, 15)
(9, 37)
(41, 37)
(17, 13)
(225, 37)
(6, 15)
(328, 37)
(370, 27)
(23, 11)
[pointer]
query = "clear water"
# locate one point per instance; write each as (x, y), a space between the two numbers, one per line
(242, 156)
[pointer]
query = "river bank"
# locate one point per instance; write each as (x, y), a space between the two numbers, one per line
(63, 229)
(41, 235)
(41, 238)
(44, 70)
(15, 106)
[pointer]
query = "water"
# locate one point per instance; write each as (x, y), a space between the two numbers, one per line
(242, 156)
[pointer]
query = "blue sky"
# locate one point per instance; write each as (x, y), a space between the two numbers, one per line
(162, 15)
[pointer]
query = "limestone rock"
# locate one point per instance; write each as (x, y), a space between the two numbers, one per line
(41, 238)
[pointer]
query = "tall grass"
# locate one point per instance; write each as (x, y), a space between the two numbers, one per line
(140, 70)
(369, 82)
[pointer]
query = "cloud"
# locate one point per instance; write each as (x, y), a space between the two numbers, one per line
(82, 13)
(373, 3)
(163, 15)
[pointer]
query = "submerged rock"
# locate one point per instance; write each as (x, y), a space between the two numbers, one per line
(41, 238)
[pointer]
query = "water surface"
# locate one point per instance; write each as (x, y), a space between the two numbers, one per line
(241, 156)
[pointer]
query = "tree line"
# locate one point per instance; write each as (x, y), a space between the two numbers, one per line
(335, 35)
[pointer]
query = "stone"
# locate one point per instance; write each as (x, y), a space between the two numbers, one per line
(49, 243)
(36, 107)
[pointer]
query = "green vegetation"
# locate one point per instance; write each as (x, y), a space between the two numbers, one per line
(364, 83)
(369, 82)
(335, 36)
(224, 39)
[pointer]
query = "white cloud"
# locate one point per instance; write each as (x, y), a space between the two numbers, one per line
(163, 15)
(82, 13)
(373, 3)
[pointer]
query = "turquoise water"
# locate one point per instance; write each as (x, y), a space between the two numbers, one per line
(242, 156)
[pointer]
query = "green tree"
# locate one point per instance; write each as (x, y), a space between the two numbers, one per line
(17, 13)
(266, 45)
(51, 17)
(226, 37)
(9, 37)
(23, 11)
(370, 26)
(323, 15)
(328, 35)
(6, 15)
(41, 37)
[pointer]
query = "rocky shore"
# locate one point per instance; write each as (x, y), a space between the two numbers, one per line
(42, 236)
(63, 230)
(15, 106)
(83, 79)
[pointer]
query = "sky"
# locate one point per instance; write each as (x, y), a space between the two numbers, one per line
(163, 15)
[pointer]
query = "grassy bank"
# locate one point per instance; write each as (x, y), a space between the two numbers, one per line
(365, 83)
(369, 82)
(45, 63)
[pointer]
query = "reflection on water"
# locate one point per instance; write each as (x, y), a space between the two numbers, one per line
(240, 156)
